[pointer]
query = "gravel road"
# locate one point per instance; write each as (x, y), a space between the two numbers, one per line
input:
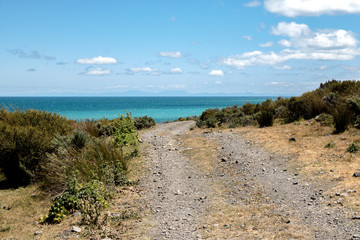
(176, 190)
(177, 193)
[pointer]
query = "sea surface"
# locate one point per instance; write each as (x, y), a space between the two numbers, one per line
(162, 109)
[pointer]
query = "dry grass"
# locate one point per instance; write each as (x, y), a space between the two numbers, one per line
(249, 218)
(331, 167)
(29, 204)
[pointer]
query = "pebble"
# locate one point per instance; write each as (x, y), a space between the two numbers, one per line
(356, 174)
(75, 229)
(38, 233)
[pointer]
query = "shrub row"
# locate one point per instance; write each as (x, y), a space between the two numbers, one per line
(340, 99)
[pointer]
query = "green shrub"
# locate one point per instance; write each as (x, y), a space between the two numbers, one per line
(353, 148)
(266, 117)
(324, 119)
(211, 122)
(200, 123)
(144, 122)
(25, 139)
(79, 139)
(248, 108)
(342, 117)
(89, 199)
(330, 145)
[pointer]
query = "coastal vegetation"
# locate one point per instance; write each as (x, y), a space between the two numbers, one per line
(78, 164)
(334, 102)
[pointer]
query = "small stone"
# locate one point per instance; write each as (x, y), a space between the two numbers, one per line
(292, 139)
(224, 159)
(356, 174)
(38, 233)
(295, 183)
(75, 229)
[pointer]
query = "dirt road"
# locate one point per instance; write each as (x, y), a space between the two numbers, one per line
(249, 193)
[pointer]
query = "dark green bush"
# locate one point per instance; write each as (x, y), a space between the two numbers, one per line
(25, 139)
(266, 117)
(342, 117)
(353, 148)
(211, 122)
(144, 122)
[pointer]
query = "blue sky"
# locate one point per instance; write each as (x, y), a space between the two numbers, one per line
(176, 47)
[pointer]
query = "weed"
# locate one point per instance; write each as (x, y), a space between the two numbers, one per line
(330, 145)
(353, 148)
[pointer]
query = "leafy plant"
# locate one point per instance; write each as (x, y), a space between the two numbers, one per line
(144, 122)
(330, 145)
(266, 117)
(353, 148)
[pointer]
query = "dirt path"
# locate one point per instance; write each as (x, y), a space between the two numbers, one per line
(181, 198)
(176, 190)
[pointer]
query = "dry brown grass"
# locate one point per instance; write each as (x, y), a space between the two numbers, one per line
(332, 167)
(251, 219)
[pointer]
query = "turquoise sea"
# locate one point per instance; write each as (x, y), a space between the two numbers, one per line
(160, 108)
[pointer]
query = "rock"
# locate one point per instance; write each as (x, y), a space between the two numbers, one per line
(76, 229)
(38, 233)
(292, 139)
(140, 140)
(224, 159)
(356, 174)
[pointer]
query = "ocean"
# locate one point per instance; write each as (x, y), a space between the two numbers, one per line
(162, 109)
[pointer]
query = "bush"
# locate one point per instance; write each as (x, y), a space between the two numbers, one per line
(342, 117)
(266, 117)
(330, 145)
(353, 148)
(25, 139)
(89, 199)
(144, 122)
(211, 122)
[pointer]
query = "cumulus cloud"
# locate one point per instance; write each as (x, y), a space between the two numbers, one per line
(253, 3)
(31, 54)
(171, 54)
(294, 8)
(267, 44)
(97, 71)
(176, 70)
(143, 70)
(97, 60)
(219, 73)
(305, 45)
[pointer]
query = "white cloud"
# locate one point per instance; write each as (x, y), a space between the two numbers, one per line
(219, 73)
(284, 43)
(218, 83)
(176, 70)
(98, 72)
(249, 38)
(291, 29)
(267, 44)
(294, 8)
(143, 69)
(97, 60)
(253, 3)
(283, 67)
(305, 45)
(171, 54)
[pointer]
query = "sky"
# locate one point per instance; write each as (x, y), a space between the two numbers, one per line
(176, 47)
